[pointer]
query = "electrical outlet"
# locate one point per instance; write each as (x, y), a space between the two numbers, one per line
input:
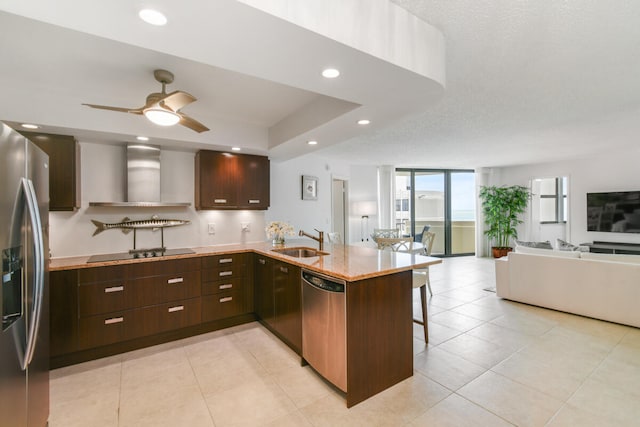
(212, 228)
(246, 227)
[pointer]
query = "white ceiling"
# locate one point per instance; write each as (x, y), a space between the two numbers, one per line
(526, 81)
(256, 76)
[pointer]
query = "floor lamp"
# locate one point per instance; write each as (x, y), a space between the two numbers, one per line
(365, 209)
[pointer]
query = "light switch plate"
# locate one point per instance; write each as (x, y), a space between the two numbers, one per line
(212, 228)
(246, 227)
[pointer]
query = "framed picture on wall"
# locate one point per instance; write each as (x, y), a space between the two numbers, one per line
(309, 187)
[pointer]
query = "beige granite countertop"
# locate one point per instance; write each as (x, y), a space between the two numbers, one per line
(350, 263)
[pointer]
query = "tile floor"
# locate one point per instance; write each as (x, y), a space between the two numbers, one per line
(489, 362)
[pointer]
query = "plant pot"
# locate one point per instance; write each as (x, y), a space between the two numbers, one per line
(500, 251)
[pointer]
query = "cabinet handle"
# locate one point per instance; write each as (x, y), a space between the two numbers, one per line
(176, 308)
(253, 201)
(114, 320)
(176, 280)
(219, 200)
(225, 273)
(284, 270)
(113, 289)
(261, 261)
(226, 299)
(227, 286)
(225, 260)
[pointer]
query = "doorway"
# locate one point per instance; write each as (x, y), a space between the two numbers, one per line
(339, 203)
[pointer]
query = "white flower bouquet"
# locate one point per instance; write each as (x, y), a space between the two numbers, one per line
(276, 230)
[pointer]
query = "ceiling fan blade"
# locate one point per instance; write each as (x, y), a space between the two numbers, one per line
(176, 100)
(192, 123)
(120, 109)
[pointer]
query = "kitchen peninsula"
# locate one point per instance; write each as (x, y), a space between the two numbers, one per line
(104, 308)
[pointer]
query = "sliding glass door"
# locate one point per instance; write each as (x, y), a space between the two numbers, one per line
(443, 200)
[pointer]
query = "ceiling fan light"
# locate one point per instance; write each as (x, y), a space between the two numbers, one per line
(152, 17)
(161, 117)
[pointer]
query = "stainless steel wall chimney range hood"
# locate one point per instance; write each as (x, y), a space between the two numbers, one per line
(143, 179)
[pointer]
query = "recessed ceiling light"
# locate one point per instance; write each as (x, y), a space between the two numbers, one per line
(152, 17)
(142, 138)
(330, 73)
(312, 142)
(29, 126)
(235, 148)
(364, 122)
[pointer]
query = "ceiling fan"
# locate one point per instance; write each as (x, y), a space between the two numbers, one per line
(163, 108)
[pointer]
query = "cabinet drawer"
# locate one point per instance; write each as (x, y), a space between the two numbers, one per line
(164, 317)
(101, 274)
(223, 305)
(105, 297)
(222, 260)
(160, 289)
(95, 331)
(218, 286)
(223, 273)
(161, 268)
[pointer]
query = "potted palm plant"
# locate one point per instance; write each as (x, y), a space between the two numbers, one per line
(502, 207)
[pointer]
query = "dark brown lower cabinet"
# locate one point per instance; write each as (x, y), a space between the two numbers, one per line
(263, 289)
(95, 331)
(379, 334)
(222, 305)
(287, 304)
(164, 317)
(277, 299)
(63, 312)
(99, 311)
(125, 325)
(226, 287)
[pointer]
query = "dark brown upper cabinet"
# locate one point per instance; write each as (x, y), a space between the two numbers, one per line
(231, 181)
(64, 169)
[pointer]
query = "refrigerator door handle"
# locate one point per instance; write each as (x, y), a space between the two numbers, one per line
(38, 268)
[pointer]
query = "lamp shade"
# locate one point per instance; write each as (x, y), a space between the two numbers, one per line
(365, 208)
(161, 117)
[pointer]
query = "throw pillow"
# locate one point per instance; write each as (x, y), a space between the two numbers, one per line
(538, 245)
(566, 246)
(547, 252)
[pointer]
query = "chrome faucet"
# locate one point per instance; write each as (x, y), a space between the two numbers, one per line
(319, 239)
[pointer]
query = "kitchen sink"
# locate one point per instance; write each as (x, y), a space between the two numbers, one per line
(301, 252)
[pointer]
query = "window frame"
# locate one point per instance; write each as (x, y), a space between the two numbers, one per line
(447, 206)
(560, 197)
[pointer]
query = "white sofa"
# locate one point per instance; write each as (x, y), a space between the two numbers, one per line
(602, 286)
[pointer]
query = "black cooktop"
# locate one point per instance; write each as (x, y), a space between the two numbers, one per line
(139, 254)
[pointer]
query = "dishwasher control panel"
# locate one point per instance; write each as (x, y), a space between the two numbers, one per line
(323, 282)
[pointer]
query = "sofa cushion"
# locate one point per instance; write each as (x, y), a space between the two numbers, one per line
(547, 252)
(611, 257)
(563, 245)
(539, 245)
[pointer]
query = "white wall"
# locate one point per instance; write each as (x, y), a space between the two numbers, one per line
(606, 172)
(286, 196)
(103, 179)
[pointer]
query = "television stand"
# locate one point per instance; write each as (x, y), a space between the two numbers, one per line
(613, 248)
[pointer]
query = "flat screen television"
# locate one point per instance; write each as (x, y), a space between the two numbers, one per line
(617, 212)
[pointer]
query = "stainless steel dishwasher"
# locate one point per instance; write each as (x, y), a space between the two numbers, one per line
(324, 333)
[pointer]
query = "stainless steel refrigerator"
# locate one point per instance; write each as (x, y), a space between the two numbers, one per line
(24, 340)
